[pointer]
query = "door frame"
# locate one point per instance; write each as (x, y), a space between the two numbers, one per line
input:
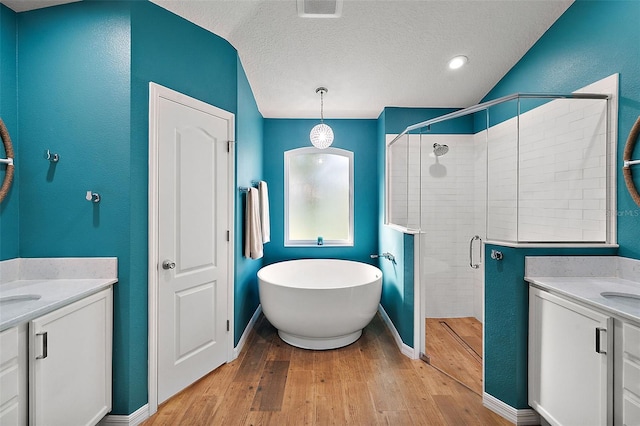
(155, 93)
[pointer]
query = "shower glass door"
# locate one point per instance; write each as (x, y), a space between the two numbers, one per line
(452, 214)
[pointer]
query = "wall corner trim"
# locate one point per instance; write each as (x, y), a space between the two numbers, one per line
(526, 416)
(406, 350)
(247, 330)
(133, 419)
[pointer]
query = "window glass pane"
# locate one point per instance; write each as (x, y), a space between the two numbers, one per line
(318, 196)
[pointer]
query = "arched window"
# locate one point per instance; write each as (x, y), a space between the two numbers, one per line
(318, 197)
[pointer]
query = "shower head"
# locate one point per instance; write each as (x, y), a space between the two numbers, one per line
(440, 150)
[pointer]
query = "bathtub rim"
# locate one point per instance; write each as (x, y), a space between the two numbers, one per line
(378, 275)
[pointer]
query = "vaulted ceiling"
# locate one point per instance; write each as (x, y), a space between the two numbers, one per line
(377, 53)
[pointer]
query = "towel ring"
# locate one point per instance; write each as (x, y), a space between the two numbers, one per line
(8, 147)
(628, 151)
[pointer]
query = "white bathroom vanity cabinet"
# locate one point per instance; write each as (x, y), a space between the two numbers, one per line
(570, 362)
(584, 340)
(70, 363)
(56, 341)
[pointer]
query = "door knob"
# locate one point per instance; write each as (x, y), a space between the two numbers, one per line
(167, 264)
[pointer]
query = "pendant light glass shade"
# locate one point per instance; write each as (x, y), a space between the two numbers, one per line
(321, 135)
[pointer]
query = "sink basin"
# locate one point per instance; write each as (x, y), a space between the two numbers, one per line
(627, 299)
(19, 298)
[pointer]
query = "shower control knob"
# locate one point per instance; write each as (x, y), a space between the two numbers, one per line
(167, 264)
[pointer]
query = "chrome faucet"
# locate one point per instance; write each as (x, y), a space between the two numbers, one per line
(386, 255)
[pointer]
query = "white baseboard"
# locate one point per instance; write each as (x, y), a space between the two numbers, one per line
(407, 351)
(133, 419)
(526, 416)
(246, 332)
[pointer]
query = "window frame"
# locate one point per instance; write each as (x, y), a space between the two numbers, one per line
(288, 155)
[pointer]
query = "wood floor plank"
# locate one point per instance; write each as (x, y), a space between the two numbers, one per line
(299, 398)
(270, 392)
(450, 352)
(329, 403)
(394, 418)
(253, 363)
(301, 359)
(358, 407)
(452, 412)
(236, 405)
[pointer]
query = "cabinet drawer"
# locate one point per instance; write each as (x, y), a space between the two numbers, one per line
(630, 412)
(631, 340)
(10, 415)
(8, 384)
(9, 345)
(631, 377)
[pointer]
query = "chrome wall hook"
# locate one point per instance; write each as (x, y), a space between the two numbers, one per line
(93, 196)
(53, 157)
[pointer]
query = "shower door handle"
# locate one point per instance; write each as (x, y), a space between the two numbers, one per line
(474, 265)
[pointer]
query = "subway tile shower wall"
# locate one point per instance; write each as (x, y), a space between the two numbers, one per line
(557, 191)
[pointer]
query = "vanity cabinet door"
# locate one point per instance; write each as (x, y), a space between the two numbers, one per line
(570, 361)
(70, 363)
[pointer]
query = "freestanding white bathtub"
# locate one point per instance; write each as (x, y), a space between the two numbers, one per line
(320, 303)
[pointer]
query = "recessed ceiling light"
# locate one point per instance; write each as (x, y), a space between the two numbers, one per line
(457, 62)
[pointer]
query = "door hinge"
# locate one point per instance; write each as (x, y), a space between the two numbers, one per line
(227, 325)
(228, 235)
(229, 146)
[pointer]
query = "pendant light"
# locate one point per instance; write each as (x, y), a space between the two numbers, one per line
(321, 135)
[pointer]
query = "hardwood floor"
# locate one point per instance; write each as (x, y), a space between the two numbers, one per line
(454, 345)
(367, 383)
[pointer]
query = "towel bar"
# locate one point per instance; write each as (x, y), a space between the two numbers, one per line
(254, 184)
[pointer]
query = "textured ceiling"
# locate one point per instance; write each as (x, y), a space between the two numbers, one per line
(24, 5)
(378, 53)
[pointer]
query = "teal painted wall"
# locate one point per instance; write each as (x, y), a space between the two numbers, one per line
(590, 41)
(74, 86)
(358, 136)
(9, 217)
(249, 159)
(91, 107)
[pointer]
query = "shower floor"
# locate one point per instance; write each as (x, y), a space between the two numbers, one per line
(454, 346)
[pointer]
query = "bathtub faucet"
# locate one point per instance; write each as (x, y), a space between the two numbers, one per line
(386, 255)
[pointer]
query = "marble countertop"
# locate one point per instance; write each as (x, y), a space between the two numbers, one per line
(54, 294)
(49, 284)
(583, 279)
(587, 290)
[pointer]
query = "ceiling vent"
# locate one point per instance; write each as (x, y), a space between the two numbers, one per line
(319, 8)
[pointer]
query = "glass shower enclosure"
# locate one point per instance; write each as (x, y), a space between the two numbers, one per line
(524, 169)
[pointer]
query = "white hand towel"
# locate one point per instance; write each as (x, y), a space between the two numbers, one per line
(264, 211)
(252, 227)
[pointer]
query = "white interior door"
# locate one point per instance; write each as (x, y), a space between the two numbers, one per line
(192, 256)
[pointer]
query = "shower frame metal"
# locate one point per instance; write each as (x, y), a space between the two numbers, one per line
(486, 105)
